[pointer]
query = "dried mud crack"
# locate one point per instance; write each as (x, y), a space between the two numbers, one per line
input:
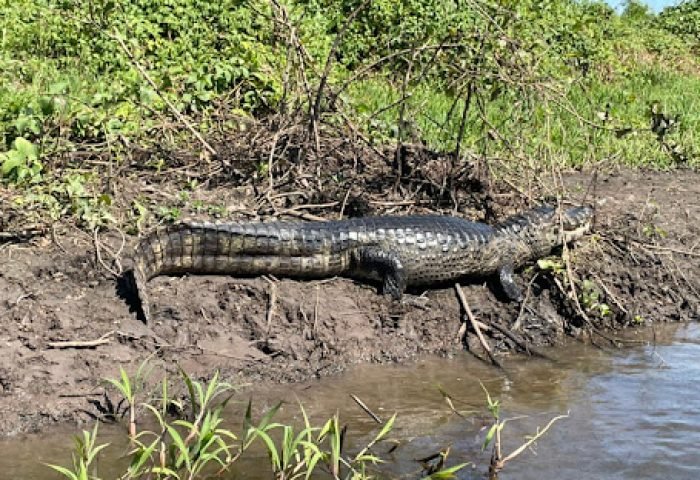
(63, 326)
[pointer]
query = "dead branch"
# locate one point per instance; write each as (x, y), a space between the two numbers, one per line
(518, 321)
(500, 463)
(316, 107)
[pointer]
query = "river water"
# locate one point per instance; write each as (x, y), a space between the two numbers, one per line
(634, 413)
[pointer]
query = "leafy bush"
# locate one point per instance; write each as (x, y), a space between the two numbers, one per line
(65, 74)
(62, 61)
(683, 19)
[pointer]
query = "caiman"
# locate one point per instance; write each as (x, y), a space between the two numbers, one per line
(398, 251)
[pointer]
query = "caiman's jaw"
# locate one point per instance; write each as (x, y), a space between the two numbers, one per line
(577, 223)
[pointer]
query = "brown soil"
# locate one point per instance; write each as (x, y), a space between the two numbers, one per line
(643, 260)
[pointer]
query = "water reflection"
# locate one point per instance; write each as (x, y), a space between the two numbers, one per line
(633, 412)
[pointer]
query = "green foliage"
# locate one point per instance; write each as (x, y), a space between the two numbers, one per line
(75, 195)
(683, 19)
(494, 409)
(84, 455)
(553, 265)
(549, 82)
(169, 214)
(21, 164)
(62, 64)
(185, 448)
(590, 299)
(386, 26)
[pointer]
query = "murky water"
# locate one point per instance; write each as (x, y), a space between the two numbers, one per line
(633, 413)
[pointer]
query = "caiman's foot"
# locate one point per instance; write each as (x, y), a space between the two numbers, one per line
(418, 301)
(387, 265)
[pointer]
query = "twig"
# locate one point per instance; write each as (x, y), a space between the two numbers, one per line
(342, 205)
(313, 205)
(104, 339)
(302, 215)
(147, 77)
(667, 249)
(23, 235)
(527, 444)
(364, 70)
(610, 294)
(366, 409)
(316, 107)
(519, 319)
(401, 203)
(401, 121)
(521, 343)
(475, 325)
(315, 327)
(98, 255)
(270, 159)
(462, 333)
(54, 237)
(270, 307)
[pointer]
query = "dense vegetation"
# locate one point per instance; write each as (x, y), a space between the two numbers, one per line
(535, 83)
(66, 73)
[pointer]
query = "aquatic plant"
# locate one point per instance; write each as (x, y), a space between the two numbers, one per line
(190, 440)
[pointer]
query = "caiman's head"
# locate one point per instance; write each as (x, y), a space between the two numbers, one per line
(544, 228)
(576, 222)
(557, 227)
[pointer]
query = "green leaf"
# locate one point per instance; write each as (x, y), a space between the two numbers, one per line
(386, 429)
(63, 471)
(165, 471)
(180, 444)
(25, 148)
(489, 436)
(447, 473)
(271, 448)
(11, 161)
(58, 88)
(137, 461)
(46, 105)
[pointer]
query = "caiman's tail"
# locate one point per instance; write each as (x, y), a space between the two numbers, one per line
(181, 248)
(241, 249)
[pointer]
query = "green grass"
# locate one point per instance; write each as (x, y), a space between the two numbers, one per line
(549, 126)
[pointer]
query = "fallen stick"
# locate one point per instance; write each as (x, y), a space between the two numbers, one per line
(104, 339)
(366, 409)
(475, 325)
(518, 341)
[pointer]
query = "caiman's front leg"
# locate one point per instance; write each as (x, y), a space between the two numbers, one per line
(386, 265)
(505, 275)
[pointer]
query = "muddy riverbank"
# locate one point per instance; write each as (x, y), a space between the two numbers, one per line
(642, 265)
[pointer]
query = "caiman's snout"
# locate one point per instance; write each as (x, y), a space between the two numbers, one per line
(577, 222)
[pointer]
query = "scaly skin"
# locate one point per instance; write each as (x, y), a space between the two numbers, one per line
(398, 251)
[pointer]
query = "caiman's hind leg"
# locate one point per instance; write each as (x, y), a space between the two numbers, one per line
(505, 275)
(386, 265)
